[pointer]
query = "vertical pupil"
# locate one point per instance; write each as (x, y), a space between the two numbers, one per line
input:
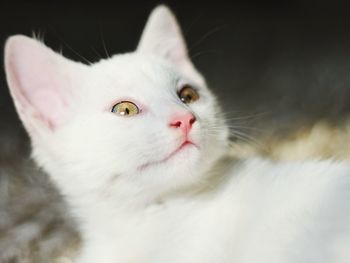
(127, 111)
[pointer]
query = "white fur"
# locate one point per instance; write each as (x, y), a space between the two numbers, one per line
(201, 205)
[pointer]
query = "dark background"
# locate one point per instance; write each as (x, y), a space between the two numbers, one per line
(282, 63)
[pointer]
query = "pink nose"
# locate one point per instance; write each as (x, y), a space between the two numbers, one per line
(183, 122)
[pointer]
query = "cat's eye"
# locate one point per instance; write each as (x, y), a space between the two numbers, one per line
(188, 94)
(126, 108)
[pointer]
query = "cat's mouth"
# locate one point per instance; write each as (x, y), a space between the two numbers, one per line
(185, 144)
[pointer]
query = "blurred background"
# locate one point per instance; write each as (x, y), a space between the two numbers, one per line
(277, 64)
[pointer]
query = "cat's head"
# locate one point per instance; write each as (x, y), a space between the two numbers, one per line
(144, 119)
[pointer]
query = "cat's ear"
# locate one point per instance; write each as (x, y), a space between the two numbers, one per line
(40, 82)
(162, 36)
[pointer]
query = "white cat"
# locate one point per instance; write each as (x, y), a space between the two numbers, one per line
(137, 145)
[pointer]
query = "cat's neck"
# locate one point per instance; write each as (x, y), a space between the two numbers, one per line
(124, 197)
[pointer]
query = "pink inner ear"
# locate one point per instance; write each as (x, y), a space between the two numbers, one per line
(35, 78)
(48, 104)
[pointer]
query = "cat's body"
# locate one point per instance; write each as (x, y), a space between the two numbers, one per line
(138, 147)
(283, 213)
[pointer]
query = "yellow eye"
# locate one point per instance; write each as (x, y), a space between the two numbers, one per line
(188, 94)
(125, 108)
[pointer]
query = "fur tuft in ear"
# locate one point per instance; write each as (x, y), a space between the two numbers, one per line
(40, 82)
(162, 37)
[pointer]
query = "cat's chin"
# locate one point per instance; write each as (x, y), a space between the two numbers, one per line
(184, 151)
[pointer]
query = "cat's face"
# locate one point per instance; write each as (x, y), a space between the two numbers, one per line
(146, 118)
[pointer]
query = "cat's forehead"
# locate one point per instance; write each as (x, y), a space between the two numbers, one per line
(132, 69)
(136, 77)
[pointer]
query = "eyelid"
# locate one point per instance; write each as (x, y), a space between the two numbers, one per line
(138, 110)
(190, 84)
(181, 84)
